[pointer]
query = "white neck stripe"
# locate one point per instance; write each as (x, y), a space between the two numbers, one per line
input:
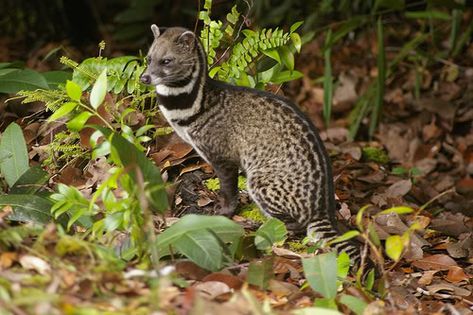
(165, 90)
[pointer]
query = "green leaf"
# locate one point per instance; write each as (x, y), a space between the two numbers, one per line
(287, 57)
(24, 79)
(127, 155)
(285, 76)
(326, 303)
(296, 41)
(315, 311)
(200, 238)
(97, 95)
(353, 303)
(13, 154)
(398, 210)
(295, 26)
(272, 231)
(260, 272)
(345, 237)
(31, 181)
(370, 280)
(273, 54)
(394, 247)
(328, 79)
(321, 273)
(431, 14)
(73, 91)
(62, 111)
(27, 208)
(54, 78)
(343, 265)
(78, 122)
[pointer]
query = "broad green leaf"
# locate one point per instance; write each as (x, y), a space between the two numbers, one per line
(260, 272)
(23, 79)
(370, 280)
(343, 265)
(127, 155)
(73, 91)
(31, 181)
(321, 273)
(13, 154)
(55, 78)
(88, 70)
(355, 304)
(62, 111)
(273, 54)
(394, 247)
(326, 303)
(97, 95)
(224, 228)
(272, 231)
(296, 41)
(287, 57)
(202, 247)
(398, 210)
(78, 122)
(285, 76)
(27, 208)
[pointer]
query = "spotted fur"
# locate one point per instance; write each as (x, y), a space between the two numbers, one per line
(287, 167)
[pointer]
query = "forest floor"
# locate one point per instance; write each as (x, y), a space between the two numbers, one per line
(420, 157)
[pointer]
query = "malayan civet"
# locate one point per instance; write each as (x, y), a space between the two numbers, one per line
(288, 170)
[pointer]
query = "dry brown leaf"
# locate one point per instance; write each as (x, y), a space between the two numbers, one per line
(190, 270)
(448, 288)
(399, 189)
(233, 282)
(212, 289)
(435, 262)
(456, 274)
(427, 277)
(7, 259)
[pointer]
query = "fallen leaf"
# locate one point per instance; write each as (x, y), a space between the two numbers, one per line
(435, 262)
(212, 289)
(448, 288)
(456, 274)
(190, 270)
(233, 282)
(35, 263)
(399, 188)
(427, 277)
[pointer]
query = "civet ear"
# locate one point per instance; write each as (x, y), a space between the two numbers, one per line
(187, 39)
(155, 30)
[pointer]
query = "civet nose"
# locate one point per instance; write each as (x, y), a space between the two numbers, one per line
(145, 78)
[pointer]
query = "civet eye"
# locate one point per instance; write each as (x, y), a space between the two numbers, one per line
(165, 61)
(148, 59)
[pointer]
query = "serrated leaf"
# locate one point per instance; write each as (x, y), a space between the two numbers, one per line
(321, 273)
(13, 154)
(78, 122)
(62, 111)
(73, 91)
(99, 90)
(27, 208)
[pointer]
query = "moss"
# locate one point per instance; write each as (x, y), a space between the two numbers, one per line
(253, 213)
(213, 184)
(297, 247)
(377, 155)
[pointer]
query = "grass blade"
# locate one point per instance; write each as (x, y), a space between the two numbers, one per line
(381, 64)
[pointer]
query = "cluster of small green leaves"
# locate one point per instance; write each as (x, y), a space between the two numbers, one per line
(261, 57)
